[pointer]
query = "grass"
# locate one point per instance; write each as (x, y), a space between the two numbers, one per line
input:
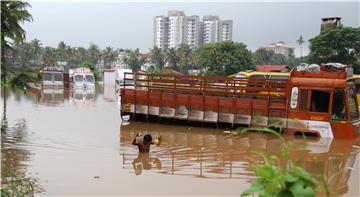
(288, 179)
(18, 186)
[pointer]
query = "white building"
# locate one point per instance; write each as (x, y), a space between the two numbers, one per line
(279, 48)
(192, 31)
(176, 28)
(225, 30)
(161, 25)
(211, 29)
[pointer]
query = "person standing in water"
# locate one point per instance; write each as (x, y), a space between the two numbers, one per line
(143, 142)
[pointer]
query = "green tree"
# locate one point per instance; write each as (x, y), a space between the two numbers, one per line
(172, 58)
(185, 55)
(133, 59)
(35, 46)
(93, 54)
(13, 13)
(109, 56)
(262, 56)
(24, 51)
(157, 57)
(49, 56)
(61, 52)
(341, 45)
(223, 58)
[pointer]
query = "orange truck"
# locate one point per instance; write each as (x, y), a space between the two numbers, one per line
(321, 104)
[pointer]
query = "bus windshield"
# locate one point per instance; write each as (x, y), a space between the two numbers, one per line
(47, 77)
(352, 102)
(78, 78)
(58, 77)
(90, 78)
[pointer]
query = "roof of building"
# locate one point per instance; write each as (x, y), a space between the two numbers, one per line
(271, 68)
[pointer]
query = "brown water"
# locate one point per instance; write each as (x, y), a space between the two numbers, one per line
(75, 144)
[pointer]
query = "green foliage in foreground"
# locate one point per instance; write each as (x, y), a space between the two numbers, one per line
(18, 187)
(274, 180)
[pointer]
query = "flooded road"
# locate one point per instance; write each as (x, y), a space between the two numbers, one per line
(74, 143)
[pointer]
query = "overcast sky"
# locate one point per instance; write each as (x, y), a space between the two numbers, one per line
(130, 25)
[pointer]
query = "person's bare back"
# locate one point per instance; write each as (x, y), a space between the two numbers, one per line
(143, 142)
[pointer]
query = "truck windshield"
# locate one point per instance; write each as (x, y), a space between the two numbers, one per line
(78, 78)
(352, 102)
(58, 77)
(90, 78)
(47, 77)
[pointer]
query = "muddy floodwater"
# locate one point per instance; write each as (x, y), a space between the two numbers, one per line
(74, 143)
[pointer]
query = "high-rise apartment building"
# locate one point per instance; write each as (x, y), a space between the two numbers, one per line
(225, 30)
(192, 31)
(161, 31)
(177, 28)
(211, 29)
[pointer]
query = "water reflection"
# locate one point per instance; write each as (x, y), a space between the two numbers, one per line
(110, 93)
(145, 162)
(52, 97)
(15, 155)
(82, 98)
(213, 155)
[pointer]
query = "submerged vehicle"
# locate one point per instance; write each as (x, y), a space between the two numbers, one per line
(321, 104)
(81, 78)
(52, 77)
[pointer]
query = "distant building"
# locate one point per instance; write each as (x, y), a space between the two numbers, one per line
(161, 31)
(177, 28)
(272, 68)
(192, 31)
(279, 48)
(211, 29)
(330, 23)
(225, 30)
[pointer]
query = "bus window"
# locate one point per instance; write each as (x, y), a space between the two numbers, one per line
(319, 101)
(338, 105)
(303, 99)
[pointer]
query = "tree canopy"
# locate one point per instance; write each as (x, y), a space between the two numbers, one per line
(13, 13)
(341, 45)
(223, 58)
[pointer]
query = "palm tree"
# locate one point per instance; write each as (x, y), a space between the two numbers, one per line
(185, 55)
(157, 57)
(61, 52)
(109, 56)
(35, 46)
(49, 56)
(13, 13)
(172, 58)
(93, 54)
(300, 41)
(133, 59)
